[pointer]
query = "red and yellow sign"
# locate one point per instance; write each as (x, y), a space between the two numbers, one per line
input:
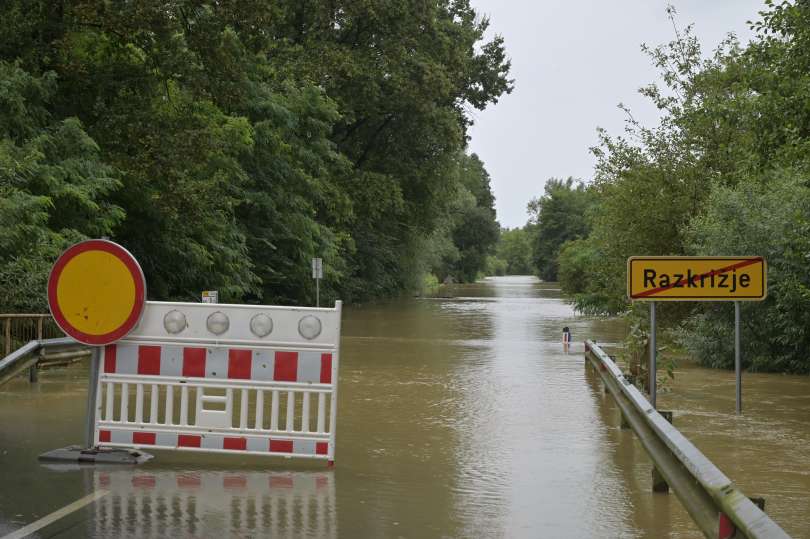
(96, 292)
(696, 278)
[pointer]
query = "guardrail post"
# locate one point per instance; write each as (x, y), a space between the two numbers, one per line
(33, 374)
(8, 337)
(659, 484)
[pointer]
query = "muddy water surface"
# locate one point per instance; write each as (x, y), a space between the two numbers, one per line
(458, 417)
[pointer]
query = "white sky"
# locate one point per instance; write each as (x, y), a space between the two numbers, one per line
(573, 62)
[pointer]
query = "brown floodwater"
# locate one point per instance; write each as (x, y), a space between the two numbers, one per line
(458, 417)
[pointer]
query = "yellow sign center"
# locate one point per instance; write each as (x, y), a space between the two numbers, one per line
(96, 292)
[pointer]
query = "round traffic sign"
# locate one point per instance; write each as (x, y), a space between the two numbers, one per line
(96, 292)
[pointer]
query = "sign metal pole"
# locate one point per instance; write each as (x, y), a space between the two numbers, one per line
(652, 354)
(317, 274)
(92, 394)
(737, 359)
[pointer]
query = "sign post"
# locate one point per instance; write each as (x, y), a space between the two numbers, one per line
(317, 274)
(695, 278)
(653, 358)
(737, 360)
(210, 296)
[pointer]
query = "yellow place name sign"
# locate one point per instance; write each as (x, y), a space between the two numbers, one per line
(696, 278)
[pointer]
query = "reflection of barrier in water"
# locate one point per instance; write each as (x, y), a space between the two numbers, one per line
(210, 504)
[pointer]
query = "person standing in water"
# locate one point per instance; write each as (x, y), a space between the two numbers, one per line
(566, 335)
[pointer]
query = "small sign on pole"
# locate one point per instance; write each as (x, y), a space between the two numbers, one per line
(210, 296)
(317, 274)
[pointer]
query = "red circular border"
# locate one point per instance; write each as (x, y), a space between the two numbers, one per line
(137, 276)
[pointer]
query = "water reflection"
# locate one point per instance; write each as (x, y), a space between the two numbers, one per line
(532, 451)
(193, 503)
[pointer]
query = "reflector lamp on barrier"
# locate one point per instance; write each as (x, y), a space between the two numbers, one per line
(309, 327)
(261, 325)
(218, 323)
(174, 322)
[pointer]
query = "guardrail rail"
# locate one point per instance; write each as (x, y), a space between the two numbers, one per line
(36, 352)
(718, 508)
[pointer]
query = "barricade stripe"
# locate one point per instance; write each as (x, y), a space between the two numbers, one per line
(194, 362)
(281, 446)
(302, 367)
(326, 368)
(188, 440)
(147, 438)
(109, 358)
(239, 363)
(149, 360)
(214, 441)
(237, 444)
(286, 367)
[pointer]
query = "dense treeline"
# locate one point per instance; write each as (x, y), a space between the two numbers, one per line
(225, 144)
(725, 172)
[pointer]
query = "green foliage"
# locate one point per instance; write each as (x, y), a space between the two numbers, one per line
(559, 216)
(723, 173)
(515, 250)
(467, 234)
(226, 144)
(496, 266)
(770, 218)
(430, 285)
(53, 187)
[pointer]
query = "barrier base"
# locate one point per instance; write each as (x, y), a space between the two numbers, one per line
(96, 455)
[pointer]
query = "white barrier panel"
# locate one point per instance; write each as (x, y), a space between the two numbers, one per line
(223, 378)
(215, 504)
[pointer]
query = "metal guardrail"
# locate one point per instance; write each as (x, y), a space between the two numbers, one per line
(37, 351)
(714, 503)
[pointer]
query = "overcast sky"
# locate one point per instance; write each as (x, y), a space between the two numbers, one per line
(574, 62)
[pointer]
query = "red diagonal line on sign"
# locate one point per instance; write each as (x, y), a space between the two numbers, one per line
(738, 265)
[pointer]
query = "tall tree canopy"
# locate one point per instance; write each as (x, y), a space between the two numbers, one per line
(559, 216)
(226, 144)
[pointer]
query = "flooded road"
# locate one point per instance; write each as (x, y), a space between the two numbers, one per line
(458, 417)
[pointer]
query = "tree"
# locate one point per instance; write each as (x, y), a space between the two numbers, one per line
(249, 137)
(515, 248)
(54, 187)
(559, 216)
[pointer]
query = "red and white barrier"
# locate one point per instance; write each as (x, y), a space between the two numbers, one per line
(199, 387)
